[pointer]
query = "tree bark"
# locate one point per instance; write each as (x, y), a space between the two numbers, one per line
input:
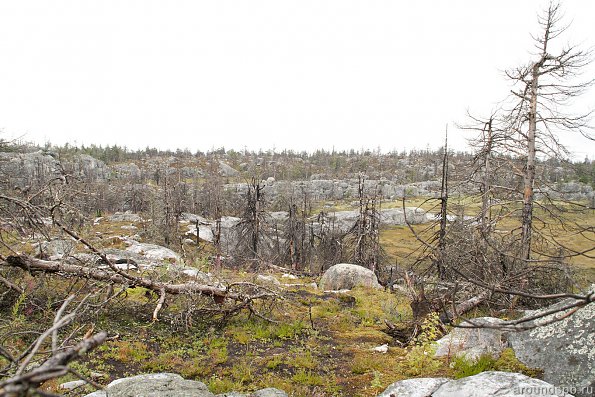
(529, 177)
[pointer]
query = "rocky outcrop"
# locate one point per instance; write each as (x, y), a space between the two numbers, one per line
(72, 385)
(490, 383)
(125, 217)
(154, 385)
(23, 169)
(575, 191)
(170, 385)
(205, 232)
(153, 251)
(564, 350)
(473, 342)
(348, 276)
(327, 189)
(495, 383)
(55, 249)
(268, 392)
(267, 280)
(126, 171)
(226, 170)
(419, 387)
(88, 168)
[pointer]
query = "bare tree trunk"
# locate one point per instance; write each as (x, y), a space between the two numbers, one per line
(217, 240)
(485, 198)
(443, 211)
(529, 177)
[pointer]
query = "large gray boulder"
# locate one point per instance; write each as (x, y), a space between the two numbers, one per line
(398, 217)
(205, 226)
(418, 387)
(153, 251)
(495, 383)
(564, 350)
(154, 385)
(205, 232)
(268, 392)
(473, 342)
(348, 276)
(124, 217)
(193, 218)
(56, 249)
(229, 232)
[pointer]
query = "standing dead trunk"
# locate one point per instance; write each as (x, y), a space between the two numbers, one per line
(485, 197)
(529, 176)
(443, 212)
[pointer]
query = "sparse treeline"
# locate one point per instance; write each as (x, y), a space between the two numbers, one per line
(411, 166)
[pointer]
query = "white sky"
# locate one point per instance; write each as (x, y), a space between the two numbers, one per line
(301, 74)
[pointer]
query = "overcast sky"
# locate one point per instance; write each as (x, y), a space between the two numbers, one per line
(263, 74)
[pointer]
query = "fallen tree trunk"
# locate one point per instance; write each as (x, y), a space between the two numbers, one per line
(32, 265)
(456, 310)
(219, 294)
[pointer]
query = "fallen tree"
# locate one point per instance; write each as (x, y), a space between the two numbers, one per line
(219, 294)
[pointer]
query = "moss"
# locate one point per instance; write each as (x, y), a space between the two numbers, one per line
(126, 351)
(509, 363)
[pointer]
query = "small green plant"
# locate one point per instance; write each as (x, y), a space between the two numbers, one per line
(15, 311)
(464, 367)
(242, 372)
(420, 360)
(289, 331)
(262, 332)
(274, 362)
(304, 360)
(218, 384)
(218, 351)
(242, 337)
(364, 363)
(376, 381)
(308, 378)
(430, 330)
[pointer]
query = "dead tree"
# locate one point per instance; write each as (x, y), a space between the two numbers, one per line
(542, 88)
(362, 241)
(252, 227)
(297, 247)
(525, 263)
(327, 242)
(441, 260)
